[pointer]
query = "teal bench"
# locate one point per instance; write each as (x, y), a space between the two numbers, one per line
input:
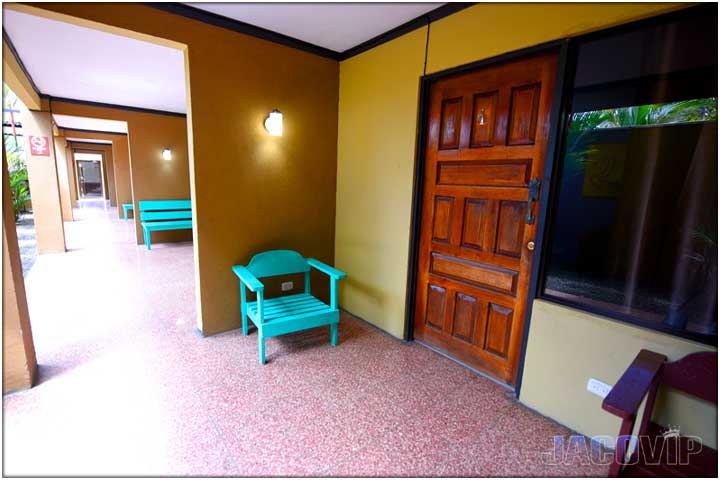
(157, 215)
(290, 313)
(126, 207)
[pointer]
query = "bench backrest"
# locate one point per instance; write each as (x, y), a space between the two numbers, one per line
(695, 374)
(277, 262)
(155, 210)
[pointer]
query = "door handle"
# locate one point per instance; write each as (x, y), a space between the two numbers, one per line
(533, 195)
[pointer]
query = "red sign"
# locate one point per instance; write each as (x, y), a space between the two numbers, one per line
(39, 146)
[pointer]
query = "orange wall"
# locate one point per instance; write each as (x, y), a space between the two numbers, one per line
(121, 163)
(252, 192)
(151, 177)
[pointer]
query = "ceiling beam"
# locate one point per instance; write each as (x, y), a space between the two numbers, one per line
(17, 78)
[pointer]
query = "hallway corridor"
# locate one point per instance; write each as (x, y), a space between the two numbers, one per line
(127, 386)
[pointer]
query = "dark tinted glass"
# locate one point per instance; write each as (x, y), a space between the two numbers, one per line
(634, 224)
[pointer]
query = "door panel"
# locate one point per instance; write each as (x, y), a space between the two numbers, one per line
(487, 136)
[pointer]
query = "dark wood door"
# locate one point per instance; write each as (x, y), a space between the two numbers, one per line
(487, 137)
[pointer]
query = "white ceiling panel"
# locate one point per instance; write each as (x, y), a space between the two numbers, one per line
(75, 62)
(83, 123)
(336, 26)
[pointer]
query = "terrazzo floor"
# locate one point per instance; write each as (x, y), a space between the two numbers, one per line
(127, 386)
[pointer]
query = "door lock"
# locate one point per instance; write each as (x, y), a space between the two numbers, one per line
(531, 245)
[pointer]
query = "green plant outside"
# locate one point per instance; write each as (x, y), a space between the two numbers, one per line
(583, 123)
(19, 184)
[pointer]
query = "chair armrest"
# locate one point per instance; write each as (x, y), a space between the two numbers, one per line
(248, 278)
(626, 396)
(327, 269)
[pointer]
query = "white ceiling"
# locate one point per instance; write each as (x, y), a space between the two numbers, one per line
(83, 123)
(69, 61)
(75, 62)
(336, 26)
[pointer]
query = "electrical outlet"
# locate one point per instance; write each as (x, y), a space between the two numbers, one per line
(596, 387)
(286, 286)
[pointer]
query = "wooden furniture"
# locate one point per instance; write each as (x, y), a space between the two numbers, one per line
(291, 313)
(696, 375)
(487, 134)
(126, 207)
(157, 215)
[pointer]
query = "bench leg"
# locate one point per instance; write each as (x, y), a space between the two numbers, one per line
(333, 334)
(261, 347)
(147, 239)
(125, 214)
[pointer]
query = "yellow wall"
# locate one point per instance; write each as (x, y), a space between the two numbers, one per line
(376, 145)
(376, 152)
(566, 347)
(377, 132)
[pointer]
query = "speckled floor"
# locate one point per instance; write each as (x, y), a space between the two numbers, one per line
(127, 386)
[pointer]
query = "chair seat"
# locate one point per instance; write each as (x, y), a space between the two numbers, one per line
(167, 225)
(288, 307)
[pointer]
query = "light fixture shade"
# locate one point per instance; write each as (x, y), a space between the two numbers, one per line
(166, 154)
(274, 123)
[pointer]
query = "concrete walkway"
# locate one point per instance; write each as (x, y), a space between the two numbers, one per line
(27, 241)
(127, 386)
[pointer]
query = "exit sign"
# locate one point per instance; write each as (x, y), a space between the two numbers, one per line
(39, 146)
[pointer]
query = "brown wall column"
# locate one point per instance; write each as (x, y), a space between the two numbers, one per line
(64, 178)
(71, 175)
(19, 362)
(44, 185)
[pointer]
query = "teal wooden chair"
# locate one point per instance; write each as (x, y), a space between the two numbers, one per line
(290, 313)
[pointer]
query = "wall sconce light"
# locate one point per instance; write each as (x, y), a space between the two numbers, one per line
(166, 154)
(274, 124)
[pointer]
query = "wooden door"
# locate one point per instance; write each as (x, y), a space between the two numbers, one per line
(487, 137)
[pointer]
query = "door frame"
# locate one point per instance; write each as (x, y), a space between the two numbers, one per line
(103, 178)
(555, 135)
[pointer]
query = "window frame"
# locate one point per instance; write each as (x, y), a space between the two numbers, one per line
(551, 207)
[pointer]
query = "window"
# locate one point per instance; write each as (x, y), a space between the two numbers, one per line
(633, 232)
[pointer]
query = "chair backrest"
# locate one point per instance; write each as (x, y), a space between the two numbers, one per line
(153, 210)
(277, 262)
(695, 374)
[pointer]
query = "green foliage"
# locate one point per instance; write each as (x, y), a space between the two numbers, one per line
(20, 189)
(19, 185)
(583, 123)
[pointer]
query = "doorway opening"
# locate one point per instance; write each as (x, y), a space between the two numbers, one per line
(90, 175)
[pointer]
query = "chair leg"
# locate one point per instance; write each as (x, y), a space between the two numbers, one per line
(261, 347)
(333, 334)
